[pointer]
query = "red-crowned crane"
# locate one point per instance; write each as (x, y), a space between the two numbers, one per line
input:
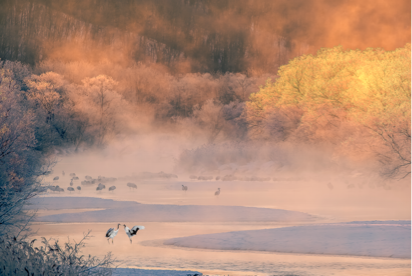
(132, 232)
(131, 185)
(112, 188)
(217, 192)
(184, 188)
(79, 188)
(111, 233)
(70, 189)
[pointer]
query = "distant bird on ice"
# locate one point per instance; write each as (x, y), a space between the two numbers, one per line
(79, 188)
(184, 188)
(56, 178)
(71, 182)
(111, 233)
(132, 232)
(217, 192)
(131, 185)
(112, 188)
(70, 189)
(99, 188)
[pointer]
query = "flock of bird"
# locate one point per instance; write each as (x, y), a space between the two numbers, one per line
(100, 186)
(89, 179)
(111, 233)
(185, 188)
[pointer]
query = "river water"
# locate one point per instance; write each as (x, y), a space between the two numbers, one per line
(147, 251)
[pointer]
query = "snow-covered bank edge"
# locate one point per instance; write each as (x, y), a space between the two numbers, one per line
(390, 239)
(132, 211)
(153, 272)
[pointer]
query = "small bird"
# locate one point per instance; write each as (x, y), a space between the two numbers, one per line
(71, 182)
(79, 188)
(131, 185)
(112, 188)
(132, 232)
(184, 188)
(99, 188)
(111, 233)
(102, 186)
(70, 189)
(217, 192)
(56, 178)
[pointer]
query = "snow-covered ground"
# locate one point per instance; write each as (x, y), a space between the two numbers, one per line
(375, 239)
(58, 203)
(130, 211)
(154, 272)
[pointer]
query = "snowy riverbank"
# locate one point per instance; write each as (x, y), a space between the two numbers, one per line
(366, 238)
(132, 211)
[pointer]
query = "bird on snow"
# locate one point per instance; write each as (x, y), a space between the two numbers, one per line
(132, 232)
(184, 188)
(131, 185)
(71, 182)
(217, 192)
(70, 189)
(102, 186)
(111, 233)
(56, 178)
(79, 188)
(112, 188)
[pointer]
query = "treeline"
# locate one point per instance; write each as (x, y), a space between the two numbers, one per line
(247, 36)
(357, 103)
(33, 121)
(76, 105)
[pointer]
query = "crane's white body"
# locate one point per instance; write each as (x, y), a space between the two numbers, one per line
(111, 233)
(132, 232)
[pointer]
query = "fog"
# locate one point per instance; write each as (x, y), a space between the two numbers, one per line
(271, 114)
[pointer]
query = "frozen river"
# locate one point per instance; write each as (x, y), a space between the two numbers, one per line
(149, 251)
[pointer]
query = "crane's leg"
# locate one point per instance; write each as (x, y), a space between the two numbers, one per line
(112, 241)
(130, 240)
